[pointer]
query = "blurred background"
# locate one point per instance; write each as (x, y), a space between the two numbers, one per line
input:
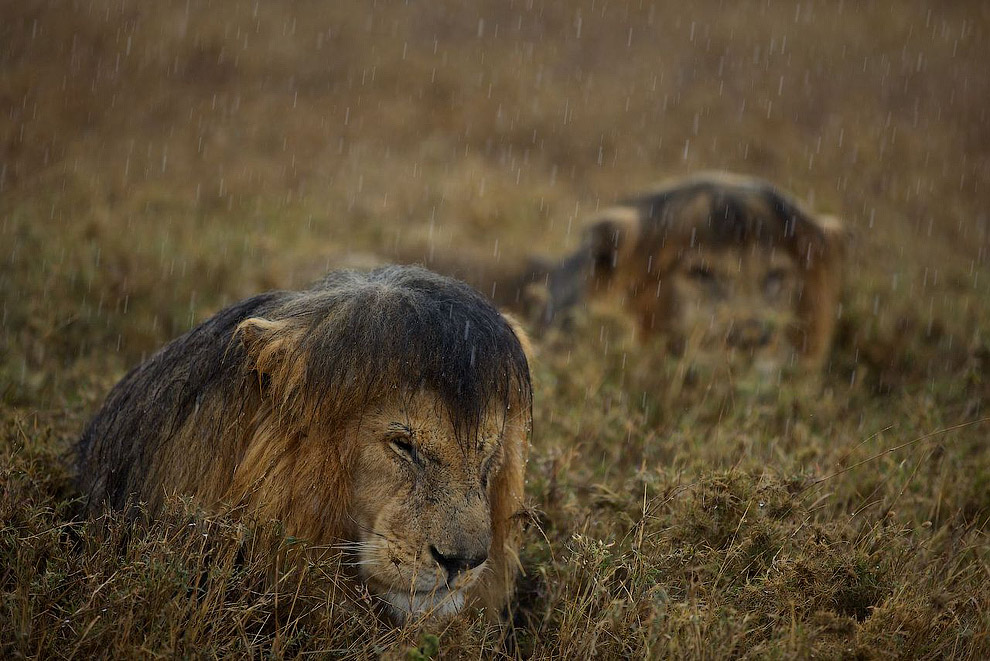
(170, 157)
(159, 160)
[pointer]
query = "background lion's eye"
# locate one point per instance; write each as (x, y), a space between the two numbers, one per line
(774, 281)
(701, 273)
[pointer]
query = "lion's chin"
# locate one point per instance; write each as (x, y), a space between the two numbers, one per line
(436, 604)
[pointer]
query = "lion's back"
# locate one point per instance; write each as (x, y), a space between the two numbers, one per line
(117, 456)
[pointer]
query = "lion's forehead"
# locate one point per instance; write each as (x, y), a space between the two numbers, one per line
(739, 254)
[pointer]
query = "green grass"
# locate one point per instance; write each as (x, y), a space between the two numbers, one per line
(158, 162)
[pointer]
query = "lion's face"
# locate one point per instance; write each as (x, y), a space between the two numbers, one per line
(726, 268)
(422, 503)
(732, 304)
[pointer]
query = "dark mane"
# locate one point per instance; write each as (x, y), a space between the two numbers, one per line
(406, 328)
(736, 213)
(155, 398)
(353, 336)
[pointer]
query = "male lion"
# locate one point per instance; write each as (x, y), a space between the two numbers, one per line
(386, 412)
(721, 265)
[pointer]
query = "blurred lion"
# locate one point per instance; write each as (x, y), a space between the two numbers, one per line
(386, 413)
(725, 267)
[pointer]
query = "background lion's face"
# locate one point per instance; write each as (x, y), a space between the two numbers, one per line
(422, 504)
(732, 304)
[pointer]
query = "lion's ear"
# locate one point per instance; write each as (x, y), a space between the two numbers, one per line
(835, 233)
(821, 242)
(822, 253)
(267, 344)
(610, 239)
(521, 335)
(607, 243)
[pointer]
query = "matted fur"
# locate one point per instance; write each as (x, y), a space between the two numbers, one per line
(272, 404)
(632, 250)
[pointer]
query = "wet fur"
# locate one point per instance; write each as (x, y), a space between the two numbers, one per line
(512, 282)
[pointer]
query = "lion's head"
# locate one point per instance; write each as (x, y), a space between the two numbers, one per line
(723, 266)
(384, 413)
(423, 519)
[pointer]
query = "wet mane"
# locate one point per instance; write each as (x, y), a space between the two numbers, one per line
(734, 213)
(401, 329)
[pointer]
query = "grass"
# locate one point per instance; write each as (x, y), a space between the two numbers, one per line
(159, 162)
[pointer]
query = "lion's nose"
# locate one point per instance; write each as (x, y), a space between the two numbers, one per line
(749, 334)
(455, 563)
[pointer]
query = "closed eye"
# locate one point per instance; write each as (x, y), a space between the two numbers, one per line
(701, 273)
(400, 440)
(488, 468)
(773, 282)
(710, 283)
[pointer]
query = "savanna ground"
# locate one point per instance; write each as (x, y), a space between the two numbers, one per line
(161, 160)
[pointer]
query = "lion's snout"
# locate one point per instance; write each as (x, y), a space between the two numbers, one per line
(463, 540)
(458, 561)
(749, 334)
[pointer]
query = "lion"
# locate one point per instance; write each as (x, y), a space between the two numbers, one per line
(720, 265)
(386, 412)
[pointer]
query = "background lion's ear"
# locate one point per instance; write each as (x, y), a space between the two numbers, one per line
(835, 232)
(266, 342)
(822, 251)
(821, 242)
(607, 242)
(610, 239)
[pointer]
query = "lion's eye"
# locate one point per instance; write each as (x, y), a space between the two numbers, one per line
(487, 469)
(773, 283)
(701, 273)
(403, 446)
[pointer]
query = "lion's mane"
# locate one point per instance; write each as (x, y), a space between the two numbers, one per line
(224, 412)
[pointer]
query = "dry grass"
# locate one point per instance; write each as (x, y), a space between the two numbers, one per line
(160, 160)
